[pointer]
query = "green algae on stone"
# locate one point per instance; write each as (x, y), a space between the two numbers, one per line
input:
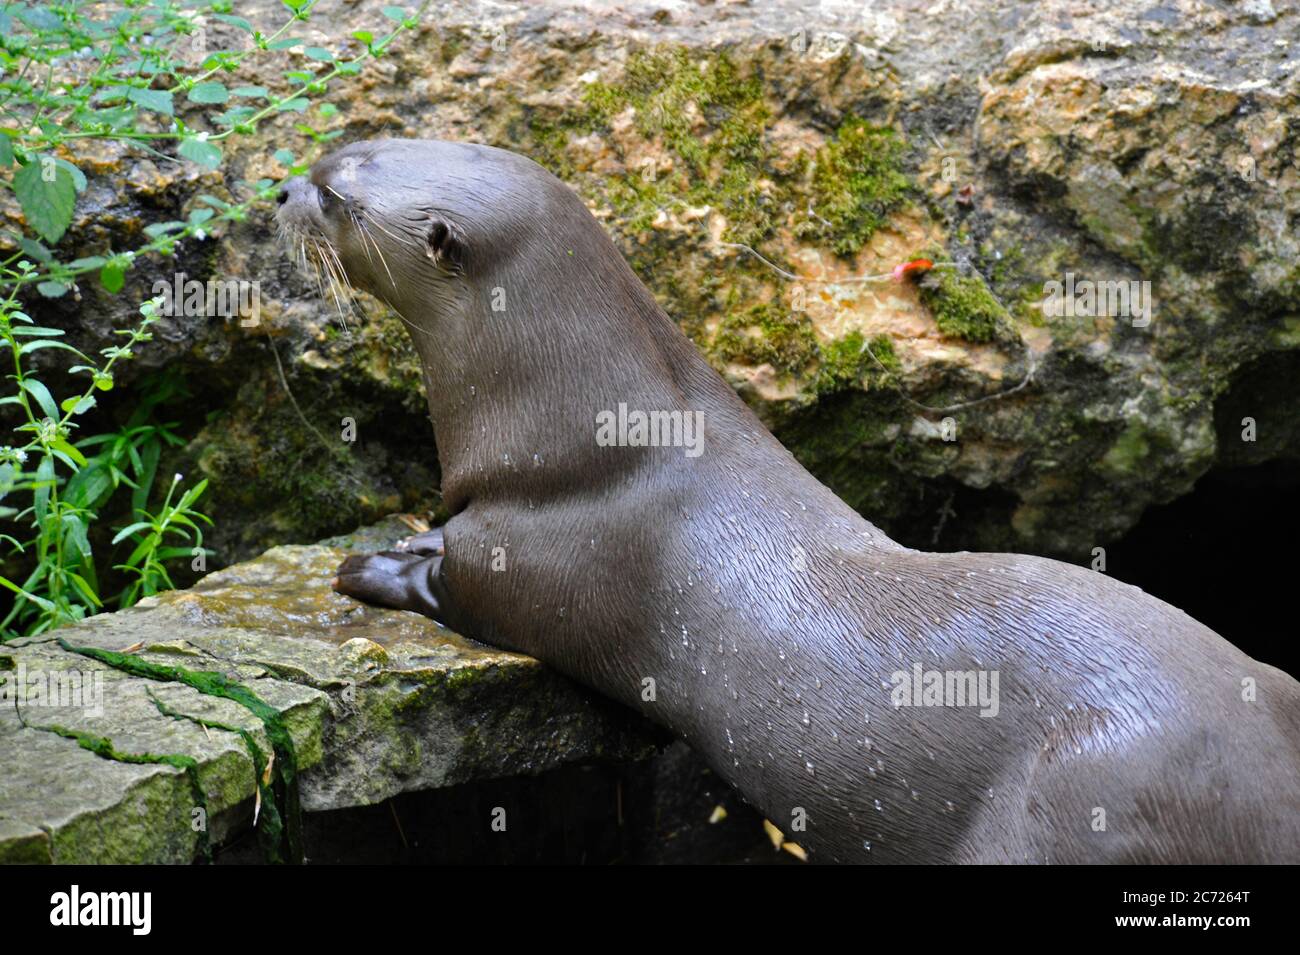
(1016, 278)
(1129, 451)
(709, 117)
(103, 747)
(24, 844)
(767, 334)
(284, 828)
(384, 346)
(962, 305)
(857, 182)
(786, 340)
(270, 830)
(853, 362)
(262, 458)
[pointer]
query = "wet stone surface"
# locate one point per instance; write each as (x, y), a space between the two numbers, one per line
(376, 703)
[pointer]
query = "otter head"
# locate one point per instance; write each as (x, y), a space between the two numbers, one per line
(417, 223)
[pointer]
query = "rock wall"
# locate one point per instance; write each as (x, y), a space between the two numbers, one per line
(1010, 142)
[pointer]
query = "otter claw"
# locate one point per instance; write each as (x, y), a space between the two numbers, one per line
(428, 544)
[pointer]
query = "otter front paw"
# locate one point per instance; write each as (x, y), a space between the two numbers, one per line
(428, 544)
(397, 579)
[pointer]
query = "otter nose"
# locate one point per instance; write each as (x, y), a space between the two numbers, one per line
(293, 188)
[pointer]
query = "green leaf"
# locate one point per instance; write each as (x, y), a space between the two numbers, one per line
(235, 115)
(47, 194)
(145, 547)
(89, 487)
(43, 397)
(45, 480)
(296, 105)
(250, 91)
(204, 153)
(111, 94)
(112, 278)
(6, 151)
(284, 156)
(75, 536)
(85, 588)
(209, 93)
(37, 251)
(394, 13)
(146, 469)
(39, 601)
(62, 445)
(156, 229)
(238, 22)
(365, 36)
(78, 177)
(41, 20)
(319, 53)
(128, 531)
(52, 289)
(47, 343)
(78, 404)
(159, 101)
(172, 553)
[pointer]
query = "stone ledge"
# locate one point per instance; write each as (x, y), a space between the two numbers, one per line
(376, 703)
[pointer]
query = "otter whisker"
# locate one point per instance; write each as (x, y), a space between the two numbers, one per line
(331, 270)
(342, 283)
(356, 223)
(380, 226)
(316, 264)
(380, 252)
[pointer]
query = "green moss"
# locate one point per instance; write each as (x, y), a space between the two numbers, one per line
(962, 305)
(857, 183)
(707, 121)
(103, 747)
(711, 121)
(766, 334)
(848, 363)
(464, 677)
(272, 462)
(1129, 452)
(280, 823)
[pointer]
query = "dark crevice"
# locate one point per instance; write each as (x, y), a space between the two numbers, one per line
(1223, 555)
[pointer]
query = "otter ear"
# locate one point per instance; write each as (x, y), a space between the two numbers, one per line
(443, 246)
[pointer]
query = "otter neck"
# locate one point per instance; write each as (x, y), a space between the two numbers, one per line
(520, 369)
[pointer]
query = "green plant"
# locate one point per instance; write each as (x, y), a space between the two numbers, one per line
(138, 73)
(63, 584)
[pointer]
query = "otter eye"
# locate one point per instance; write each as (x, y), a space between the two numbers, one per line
(328, 200)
